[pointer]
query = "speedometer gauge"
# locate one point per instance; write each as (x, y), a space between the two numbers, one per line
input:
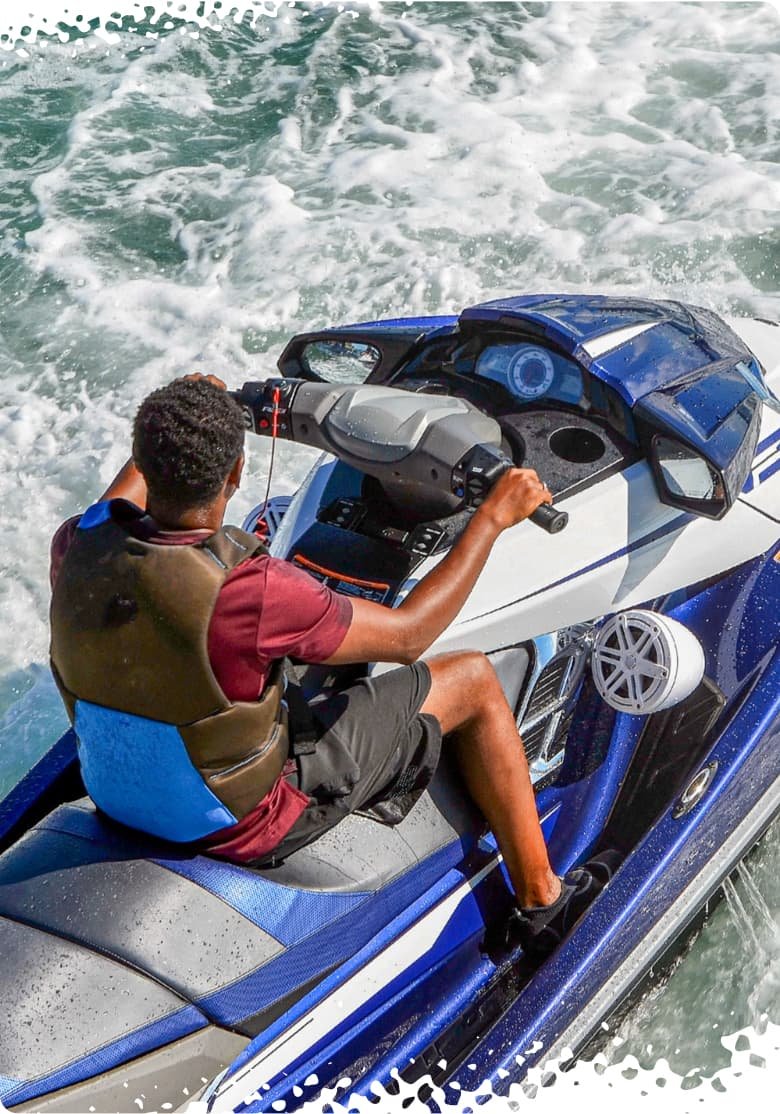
(531, 373)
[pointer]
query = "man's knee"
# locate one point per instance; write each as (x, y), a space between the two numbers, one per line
(462, 684)
(468, 665)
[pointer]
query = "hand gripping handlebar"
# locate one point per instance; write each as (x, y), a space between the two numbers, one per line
(481, 468)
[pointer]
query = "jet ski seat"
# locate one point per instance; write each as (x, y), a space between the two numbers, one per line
(185, 941)
(238, 944)
(361, 853)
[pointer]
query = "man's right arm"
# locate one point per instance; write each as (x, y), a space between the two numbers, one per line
(403, 633)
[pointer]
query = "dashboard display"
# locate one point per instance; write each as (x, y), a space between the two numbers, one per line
(530, 372)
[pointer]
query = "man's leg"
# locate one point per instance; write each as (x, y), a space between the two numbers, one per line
(467, 699)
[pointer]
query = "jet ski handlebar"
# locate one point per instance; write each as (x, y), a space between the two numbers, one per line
(483, 467)
(436, 447)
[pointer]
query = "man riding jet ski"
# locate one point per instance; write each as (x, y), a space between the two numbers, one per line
(641, 659)
(169, 632)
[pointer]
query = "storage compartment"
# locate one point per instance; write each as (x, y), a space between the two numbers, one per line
(579, 446)
(567, 449)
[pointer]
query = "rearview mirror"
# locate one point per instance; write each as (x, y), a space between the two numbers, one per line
(339, 361)
(686, 479)
(700, 434)
(349, 355)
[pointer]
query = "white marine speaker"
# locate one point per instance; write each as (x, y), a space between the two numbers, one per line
(643, 662)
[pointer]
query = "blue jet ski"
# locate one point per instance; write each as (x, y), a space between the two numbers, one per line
(637, 636)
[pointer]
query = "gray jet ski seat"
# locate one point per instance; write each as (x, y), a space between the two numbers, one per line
(232, 941)
(186, 944)
(360, 853)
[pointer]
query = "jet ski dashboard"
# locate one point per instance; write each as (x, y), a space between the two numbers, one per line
(525, 372)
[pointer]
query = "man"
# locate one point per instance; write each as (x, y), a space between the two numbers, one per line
(168, 631)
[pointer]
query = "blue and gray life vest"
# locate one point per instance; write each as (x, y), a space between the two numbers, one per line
(162, 748)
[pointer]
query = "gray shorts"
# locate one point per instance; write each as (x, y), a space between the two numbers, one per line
(375, 753)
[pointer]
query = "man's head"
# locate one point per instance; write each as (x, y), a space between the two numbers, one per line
(188, 439)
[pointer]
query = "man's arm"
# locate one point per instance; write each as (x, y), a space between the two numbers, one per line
(127, 484)
(402, 634)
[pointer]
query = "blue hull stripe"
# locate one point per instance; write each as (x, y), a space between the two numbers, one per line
(772, 439)
(45, 771)
(467, 921)
(376, 942)
(770, 471)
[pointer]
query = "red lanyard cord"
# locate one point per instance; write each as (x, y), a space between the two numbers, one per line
(274, 431)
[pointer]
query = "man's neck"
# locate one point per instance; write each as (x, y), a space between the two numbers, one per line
(198, 518)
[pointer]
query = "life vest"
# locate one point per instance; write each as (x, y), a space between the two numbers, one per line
(161, 747)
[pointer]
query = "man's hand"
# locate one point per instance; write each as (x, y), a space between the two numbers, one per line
(514, 497)
(215, 382)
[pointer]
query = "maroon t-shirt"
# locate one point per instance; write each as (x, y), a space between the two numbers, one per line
(266, 609)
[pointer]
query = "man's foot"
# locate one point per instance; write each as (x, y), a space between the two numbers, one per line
(541, 928)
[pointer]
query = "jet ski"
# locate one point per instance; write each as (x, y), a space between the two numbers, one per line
(637, 637)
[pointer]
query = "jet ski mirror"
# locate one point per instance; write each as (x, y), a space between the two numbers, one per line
(339, 361)
(700, 434)
(686, 479)
(349, 355)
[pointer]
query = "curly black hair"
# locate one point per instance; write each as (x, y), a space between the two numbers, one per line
(186, 438)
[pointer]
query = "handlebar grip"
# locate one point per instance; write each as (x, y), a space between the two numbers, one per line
(266, 405)
(549, 518)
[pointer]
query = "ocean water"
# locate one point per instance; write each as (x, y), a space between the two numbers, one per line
(186, 197)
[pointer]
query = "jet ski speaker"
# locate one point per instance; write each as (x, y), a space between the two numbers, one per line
(643, 662)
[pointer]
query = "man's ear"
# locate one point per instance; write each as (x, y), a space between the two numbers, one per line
(233, 481)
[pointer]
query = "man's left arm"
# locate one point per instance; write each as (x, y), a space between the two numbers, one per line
(127, 484)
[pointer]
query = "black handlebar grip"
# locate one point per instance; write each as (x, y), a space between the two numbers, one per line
(549, 518)
(266, 404)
